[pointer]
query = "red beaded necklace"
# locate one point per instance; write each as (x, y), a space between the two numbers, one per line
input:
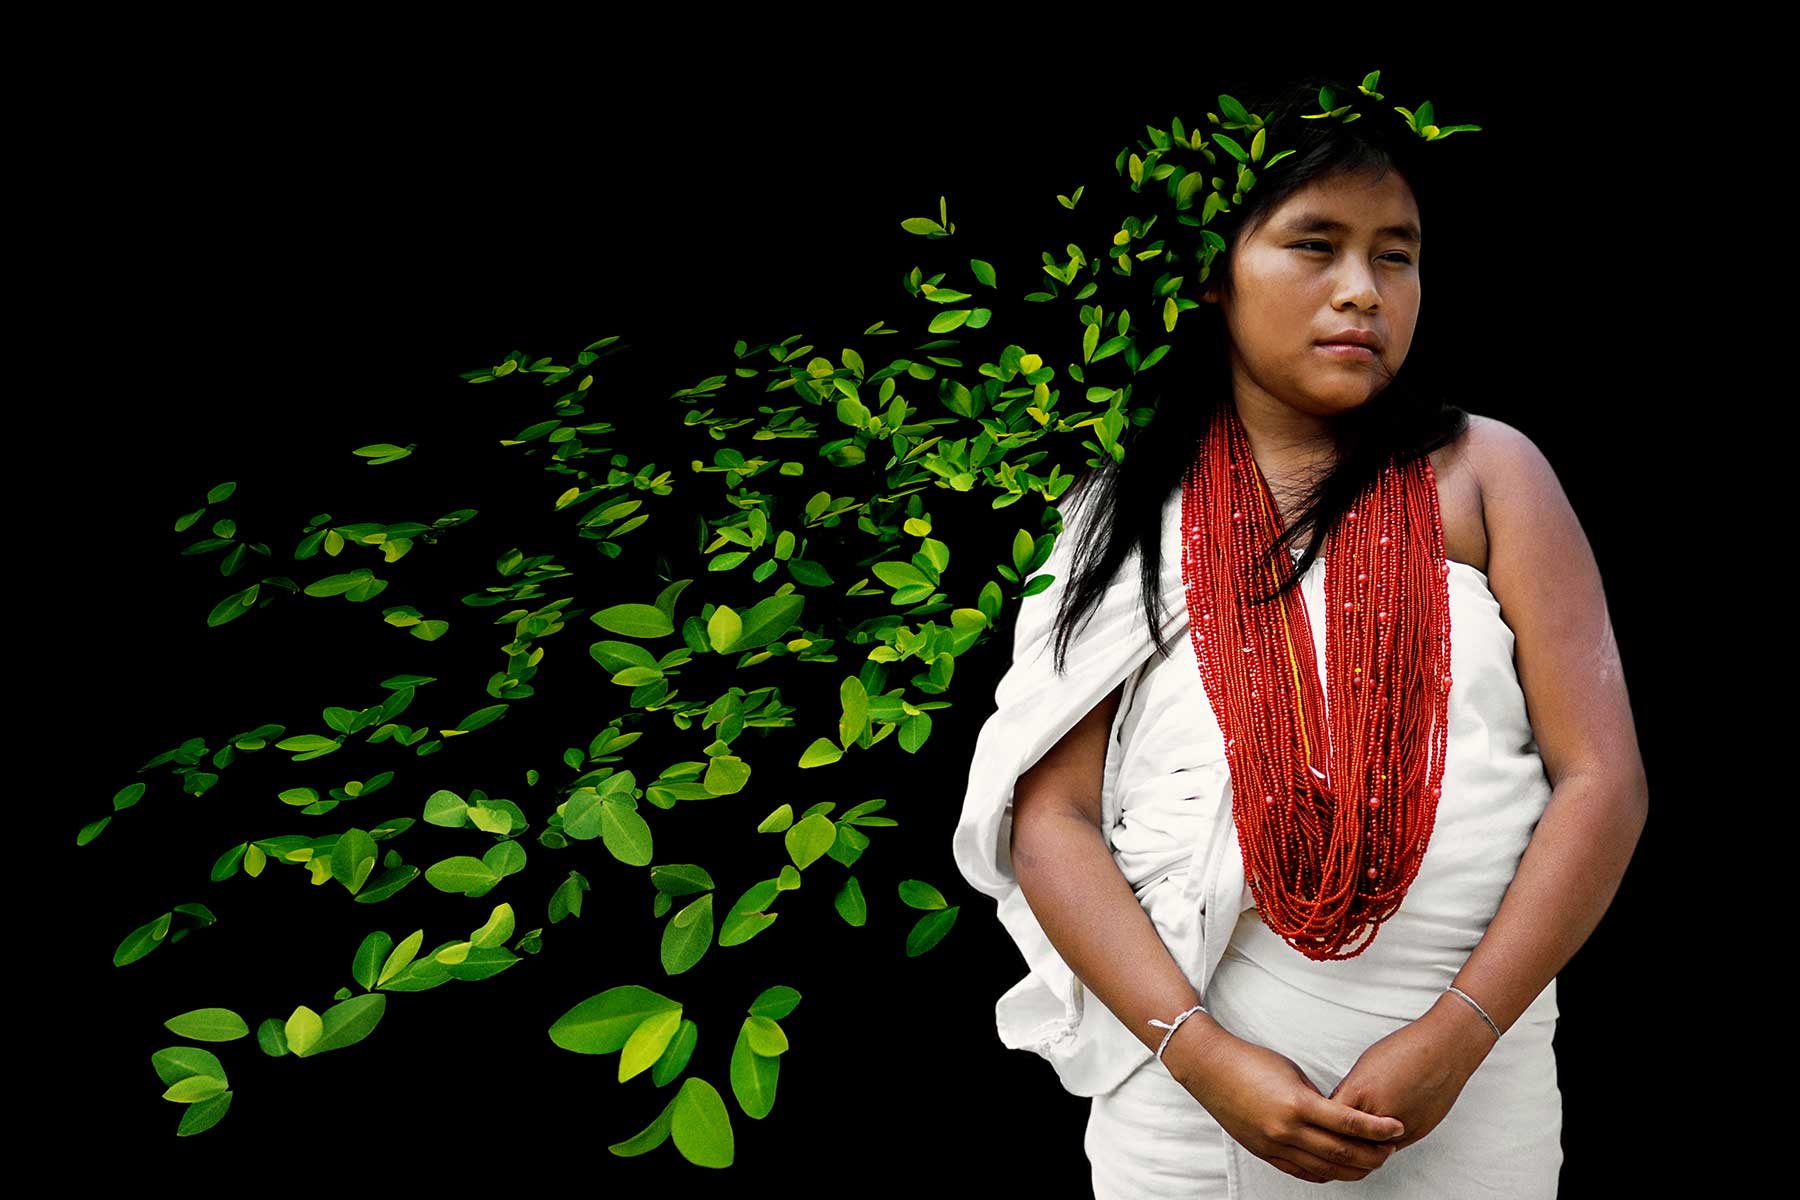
(1334, 792)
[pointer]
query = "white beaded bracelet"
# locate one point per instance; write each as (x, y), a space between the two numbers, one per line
(1172, 1028)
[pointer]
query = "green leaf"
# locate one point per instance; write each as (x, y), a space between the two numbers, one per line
(753, 1077)
(850, 904)
(602, 1023)
(919, 894)
(701, 1126)
(447, 809)
(775, 1002)
(746, 918)
(176, 1063)
(767, 1038)
(271, 1037)
(583, 814)
(822, 752)
(809, 839)
(209, 1025)
(91, 830)
(504, 858)
(647, 1042)
(726, 775)
(203, 1115)
(142, 940)
(226, 865)
(929, 931)
(233, 606)
(635, 620)
(127, 796)
(366, 967)
(402, 955)
(490, 820)
(627, 834)
(346, 1023)
(496, 930)
(194, 1087)
(687, 935)
(481, 717)
(768, 620)
(353, 858)
(461, 873)
(652, 1135)
(303, 1030)
(723, 629)
(675, 1057)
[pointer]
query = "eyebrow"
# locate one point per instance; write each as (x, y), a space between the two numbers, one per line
(1313, 222)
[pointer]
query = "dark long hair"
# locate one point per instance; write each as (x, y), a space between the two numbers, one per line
(1121, 503)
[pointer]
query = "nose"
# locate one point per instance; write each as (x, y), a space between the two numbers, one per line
(1356, 286)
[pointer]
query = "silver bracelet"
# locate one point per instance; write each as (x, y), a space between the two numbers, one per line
(1172, 1028)
(1476, 1007)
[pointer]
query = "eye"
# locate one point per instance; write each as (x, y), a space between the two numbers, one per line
(1400, 256)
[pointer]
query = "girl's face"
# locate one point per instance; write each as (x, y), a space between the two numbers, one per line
(1341, 254)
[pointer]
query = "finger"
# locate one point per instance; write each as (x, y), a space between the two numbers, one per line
(1317, 1169)
(1330, 1149)
(1339, 1117)
(1289, 1168)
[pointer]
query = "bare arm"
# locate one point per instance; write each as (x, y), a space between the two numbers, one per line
(1260, 1098)
(1078, 895)
(1543, 573)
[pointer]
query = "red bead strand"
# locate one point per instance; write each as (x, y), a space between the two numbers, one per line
(1335, 788)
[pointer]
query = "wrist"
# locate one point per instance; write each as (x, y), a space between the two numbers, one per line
(1468, 1037)
(1193, 1047)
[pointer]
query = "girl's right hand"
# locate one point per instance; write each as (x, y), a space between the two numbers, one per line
(1265, 1102)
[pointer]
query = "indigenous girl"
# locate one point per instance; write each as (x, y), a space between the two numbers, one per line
(1314, 765)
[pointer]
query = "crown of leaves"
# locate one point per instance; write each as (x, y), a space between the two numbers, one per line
(1195, 183)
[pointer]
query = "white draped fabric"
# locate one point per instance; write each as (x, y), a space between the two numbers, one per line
(1166, 814)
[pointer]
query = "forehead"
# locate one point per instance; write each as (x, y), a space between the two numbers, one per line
(1345, 204)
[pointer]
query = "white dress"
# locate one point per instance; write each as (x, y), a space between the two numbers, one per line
(1166, 813)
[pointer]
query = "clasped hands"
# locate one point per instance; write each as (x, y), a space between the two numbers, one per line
(1415, 1073)
(1398, 1091)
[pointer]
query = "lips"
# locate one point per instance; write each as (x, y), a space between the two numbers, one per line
(1353, 337)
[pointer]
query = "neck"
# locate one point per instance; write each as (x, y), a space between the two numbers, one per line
(1292, 449)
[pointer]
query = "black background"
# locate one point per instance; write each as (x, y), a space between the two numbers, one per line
(252, 263)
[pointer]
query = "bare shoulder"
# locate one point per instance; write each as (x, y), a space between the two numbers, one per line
(1503, 461)
(1460, 498)
(1544, 575)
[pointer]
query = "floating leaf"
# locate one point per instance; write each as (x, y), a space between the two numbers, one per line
(753, 1077)
(176, 1063)
(766, 1036)
(687, 935)
(701, 1126)
(303, 1030)
(344, 1024)
(203, 1115)
(209, 1025)
(366, 966)
(850, 904)
(142, 940)
(929, 931)
(601, 1024)
(919, 894)
(652, 1135)
(635, 620)
(647, 1042)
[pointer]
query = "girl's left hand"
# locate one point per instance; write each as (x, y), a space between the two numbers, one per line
(1415, 1073)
